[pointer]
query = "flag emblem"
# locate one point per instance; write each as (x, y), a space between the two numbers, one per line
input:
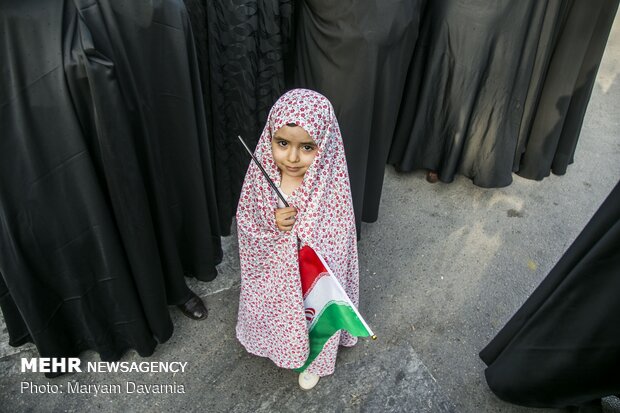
(310, 312)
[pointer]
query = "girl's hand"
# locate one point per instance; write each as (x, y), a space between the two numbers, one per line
(285, 218)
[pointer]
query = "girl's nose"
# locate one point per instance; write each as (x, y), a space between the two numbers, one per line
(293, 155)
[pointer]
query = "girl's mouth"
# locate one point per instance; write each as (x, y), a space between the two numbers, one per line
(291, 169)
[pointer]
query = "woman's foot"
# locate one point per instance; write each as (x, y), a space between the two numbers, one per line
(308, 380)
(432, 176)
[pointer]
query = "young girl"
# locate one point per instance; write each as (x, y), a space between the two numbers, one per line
(301, 149)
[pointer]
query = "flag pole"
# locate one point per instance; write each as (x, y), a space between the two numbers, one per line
(275, 188)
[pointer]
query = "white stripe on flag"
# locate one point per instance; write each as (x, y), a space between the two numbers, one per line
(348, 300)
(325, 290)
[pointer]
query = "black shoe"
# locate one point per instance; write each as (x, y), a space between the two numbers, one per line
(194, 308)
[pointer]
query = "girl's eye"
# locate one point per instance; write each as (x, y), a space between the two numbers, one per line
(282, 143)
(308, 148)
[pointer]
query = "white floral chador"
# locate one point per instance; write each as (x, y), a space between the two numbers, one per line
(271, 321)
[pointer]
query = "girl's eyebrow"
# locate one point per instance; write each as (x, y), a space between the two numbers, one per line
(302, 143)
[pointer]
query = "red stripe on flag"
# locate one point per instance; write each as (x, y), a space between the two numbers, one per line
(310, 268)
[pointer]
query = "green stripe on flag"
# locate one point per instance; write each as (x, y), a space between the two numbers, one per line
(335, 316)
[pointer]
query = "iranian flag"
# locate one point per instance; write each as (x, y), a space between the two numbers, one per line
(328, 308)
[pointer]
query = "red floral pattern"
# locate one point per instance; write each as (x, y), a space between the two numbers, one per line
(271, 321)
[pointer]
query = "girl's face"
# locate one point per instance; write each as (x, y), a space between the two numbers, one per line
(293, 150)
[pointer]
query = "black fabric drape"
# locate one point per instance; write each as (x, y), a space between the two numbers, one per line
(242, 64)
(198, 18)
(69, 284)
(155, 66)
(356, 53)
(500, 88)
(548, 143)
(466, 88)
(562, 347)
(106, 193)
